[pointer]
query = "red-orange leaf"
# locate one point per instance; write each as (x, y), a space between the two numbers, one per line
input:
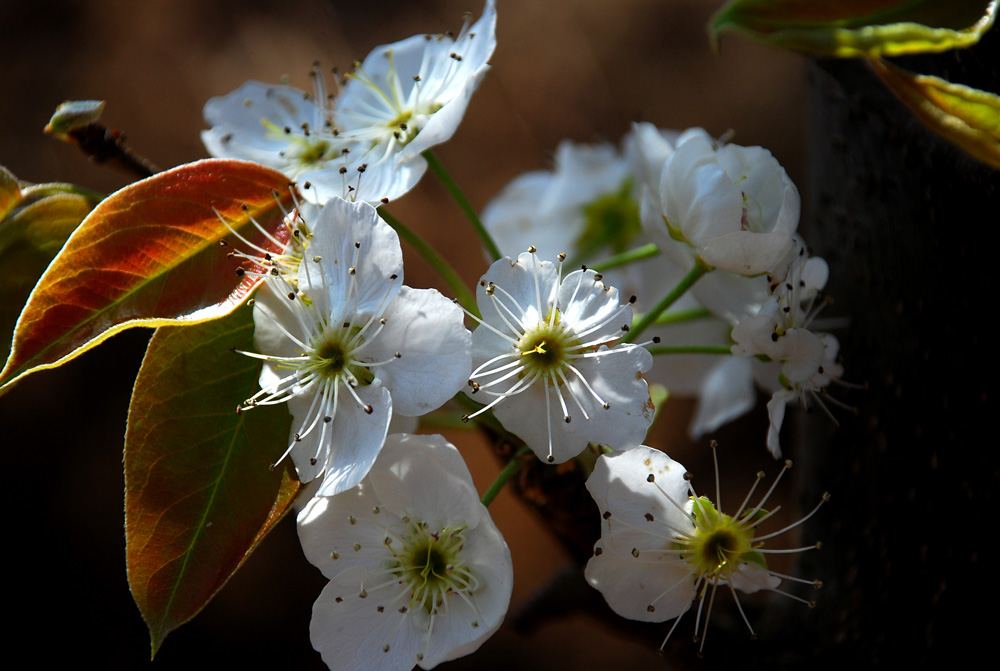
(199, 493)
(149, 255)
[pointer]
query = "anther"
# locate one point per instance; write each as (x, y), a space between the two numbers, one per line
(607, 515)
(650, 478)
(632, 298)
(369, 409)
(635, 552)
(649, 517)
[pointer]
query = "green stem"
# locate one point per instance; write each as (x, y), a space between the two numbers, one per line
(650, 317)
(631, 256)
(429, 254)
(509, 471)
(679, 316)
(463, 203)
(691, 349)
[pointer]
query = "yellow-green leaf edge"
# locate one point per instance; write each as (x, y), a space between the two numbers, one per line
(890, 39)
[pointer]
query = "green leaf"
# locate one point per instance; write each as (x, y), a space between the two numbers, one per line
(855, 28)
(34, 223)
(10, 191)
(968, 117)
(149, 255)
(199, 491)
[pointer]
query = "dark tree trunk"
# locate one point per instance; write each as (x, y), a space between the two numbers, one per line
(905, 221)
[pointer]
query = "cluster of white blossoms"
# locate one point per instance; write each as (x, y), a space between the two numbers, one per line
(726, 212)
(418, 572)
(364, 142)
(662, 546)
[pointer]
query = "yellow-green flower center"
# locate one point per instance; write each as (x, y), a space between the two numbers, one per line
(430, 563)
(331, 356)
(610, 221)
(720, 543)
(546, 348)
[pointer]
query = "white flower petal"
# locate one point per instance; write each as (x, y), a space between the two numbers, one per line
(776, 416)
(588, 303)
(751, 578)
(411, 460)
(727, 393)
(746, 253)
(354, 438)
(351, 236)
(630, 567)
(429, 329)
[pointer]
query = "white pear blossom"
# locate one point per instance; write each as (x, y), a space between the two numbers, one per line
(548, 362)
(802, 361)
(419, 574)
(662, 546)
(732, 207)
(347, 345)
(411, 95)
(363, 143)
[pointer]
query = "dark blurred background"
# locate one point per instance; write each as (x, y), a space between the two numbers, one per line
(578, 69)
